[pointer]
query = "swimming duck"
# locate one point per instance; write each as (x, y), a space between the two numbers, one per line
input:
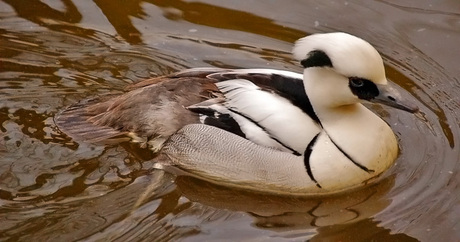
(261, 129)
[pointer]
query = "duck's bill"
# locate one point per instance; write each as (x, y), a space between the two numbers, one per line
(391, 97)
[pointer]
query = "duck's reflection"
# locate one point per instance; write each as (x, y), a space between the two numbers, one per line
(332, 216)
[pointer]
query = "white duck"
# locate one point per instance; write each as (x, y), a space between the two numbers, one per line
(304, 135)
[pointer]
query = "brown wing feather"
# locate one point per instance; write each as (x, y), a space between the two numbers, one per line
(155, 110)
(74, 122)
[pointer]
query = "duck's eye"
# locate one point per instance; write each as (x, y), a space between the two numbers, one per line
(356, 82)
(363, 88)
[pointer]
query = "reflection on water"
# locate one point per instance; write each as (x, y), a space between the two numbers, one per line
(54, 53)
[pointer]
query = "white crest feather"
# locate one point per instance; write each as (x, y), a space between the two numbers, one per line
(350, 55)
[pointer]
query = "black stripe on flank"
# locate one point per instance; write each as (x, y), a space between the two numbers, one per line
(306, 159)
(351, 159)
(294, 152)
(225, 122)
(203, 110)
(220, 120)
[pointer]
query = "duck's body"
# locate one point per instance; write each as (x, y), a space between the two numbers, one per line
(305, 133)
(234, 100)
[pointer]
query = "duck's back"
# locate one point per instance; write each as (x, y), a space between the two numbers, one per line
(156, 110)
(152, 110)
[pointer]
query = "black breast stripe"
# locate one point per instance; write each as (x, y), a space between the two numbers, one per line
(306, 159)
(351, 159)
(294, 152)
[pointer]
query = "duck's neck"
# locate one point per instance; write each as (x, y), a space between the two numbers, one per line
(353, 128)
(360, 134)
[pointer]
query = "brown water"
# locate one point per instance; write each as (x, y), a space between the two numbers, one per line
(54, 53)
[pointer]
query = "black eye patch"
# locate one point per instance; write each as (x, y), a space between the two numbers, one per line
(363, 88)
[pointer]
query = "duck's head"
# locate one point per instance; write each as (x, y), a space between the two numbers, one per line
(341, 69)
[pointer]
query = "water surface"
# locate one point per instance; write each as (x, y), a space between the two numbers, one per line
(54, 53)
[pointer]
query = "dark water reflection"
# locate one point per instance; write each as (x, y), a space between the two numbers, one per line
(53, 53)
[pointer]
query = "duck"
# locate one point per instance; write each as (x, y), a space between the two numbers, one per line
(262, 129)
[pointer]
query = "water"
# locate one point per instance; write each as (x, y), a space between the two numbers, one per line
(54, 53)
